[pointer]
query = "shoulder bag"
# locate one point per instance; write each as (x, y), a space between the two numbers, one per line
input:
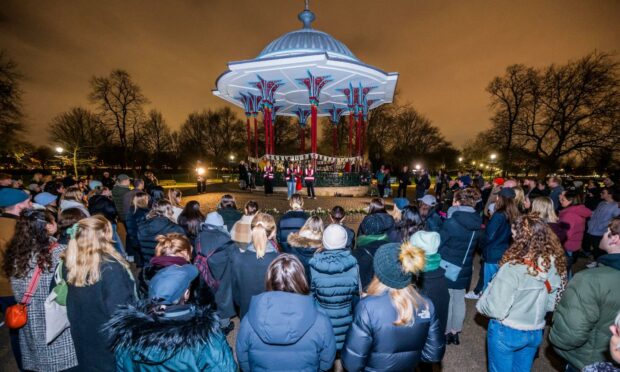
(56, 320)
(452, 270)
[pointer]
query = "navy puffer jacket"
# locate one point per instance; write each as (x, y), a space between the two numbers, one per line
(150, 229)
(457, 231)
(374, 343)
(496, 238)
(290, 222)
(335, 284)
(285, 331)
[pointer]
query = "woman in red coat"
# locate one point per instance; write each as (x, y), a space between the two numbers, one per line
(575, 215)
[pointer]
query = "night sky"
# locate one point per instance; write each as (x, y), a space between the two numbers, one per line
(446, 51)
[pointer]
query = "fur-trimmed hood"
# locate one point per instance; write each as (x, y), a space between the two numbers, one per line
(153, 339)
(298, 241)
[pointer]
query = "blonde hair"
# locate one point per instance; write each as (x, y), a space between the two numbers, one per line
(519, 197)
(140, 200)
(173, 244)
(313, 226)
(405, 300)
(173, 196)
(162, 208)
(543, 206)
(263, 228)
(90, 247)
(74, 193)
(296, 202)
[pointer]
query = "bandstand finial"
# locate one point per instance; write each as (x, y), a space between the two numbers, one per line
(306, 17)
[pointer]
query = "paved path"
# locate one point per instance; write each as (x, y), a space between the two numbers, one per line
(469, 356)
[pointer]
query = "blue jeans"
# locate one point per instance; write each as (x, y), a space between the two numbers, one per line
(490, 269)
(290, 186)
(511, 349)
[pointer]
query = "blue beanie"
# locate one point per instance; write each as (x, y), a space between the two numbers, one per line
(45, 198)
(10, 197)
(388, 267)
(401, 203)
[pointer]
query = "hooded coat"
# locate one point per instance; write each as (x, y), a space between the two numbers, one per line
(289, 223)
(575, 216)
(149, 229)
(374, 343)
(304, 248)
(376, 223)
(580, 332)
(230, 217)
(463, 226)
(186, 338)
(132, 220)
(336, 288)
(285, 331)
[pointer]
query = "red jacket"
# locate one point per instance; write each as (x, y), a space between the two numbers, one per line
(575, 216)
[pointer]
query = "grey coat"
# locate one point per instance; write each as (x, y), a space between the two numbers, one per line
(36, 354)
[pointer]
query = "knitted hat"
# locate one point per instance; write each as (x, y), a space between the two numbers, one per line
(498, 181)
(427, 241)
(10, 197)
(401, 203)
(169, 284)
(388, 267)
(376, 224)
(214, 219)
(335, 237)
(45, 198)
(507, 192)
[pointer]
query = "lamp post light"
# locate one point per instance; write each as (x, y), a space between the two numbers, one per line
(232, 157)
(493, 157)
(473, 162)
(418, 167)
(460, 159)
(59, 149)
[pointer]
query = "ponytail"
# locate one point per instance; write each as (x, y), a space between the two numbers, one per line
(263, 228)
(411, 258)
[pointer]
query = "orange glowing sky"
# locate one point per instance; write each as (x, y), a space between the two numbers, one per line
(446, 51)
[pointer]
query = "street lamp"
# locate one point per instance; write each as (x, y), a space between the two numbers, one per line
(460, 159)
(493, 156)
(59, 149)
(232, 157)
(473, 162)
(418, 166)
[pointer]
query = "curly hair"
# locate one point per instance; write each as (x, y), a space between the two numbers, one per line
(31, 239)
(534, 240)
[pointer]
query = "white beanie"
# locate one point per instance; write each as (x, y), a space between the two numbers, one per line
(427, 241)
(335, 237)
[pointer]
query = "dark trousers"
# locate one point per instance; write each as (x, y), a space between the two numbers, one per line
(480, 284)
(591, 244)
(381, 188)
(310, 187)
(201, 186)
(268, 186)
(13, 333)
(402, 189)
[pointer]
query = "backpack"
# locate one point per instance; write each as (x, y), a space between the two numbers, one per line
(202, 263)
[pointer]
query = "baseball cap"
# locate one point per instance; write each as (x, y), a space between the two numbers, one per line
(169, 284)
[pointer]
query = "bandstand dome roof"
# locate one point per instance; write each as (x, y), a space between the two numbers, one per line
(306, 40)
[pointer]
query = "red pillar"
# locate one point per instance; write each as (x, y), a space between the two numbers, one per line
(255, 137)
(272, 136)
(358, 134)
(351, 119)
(266, 118)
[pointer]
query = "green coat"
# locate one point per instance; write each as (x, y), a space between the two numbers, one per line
(580, 332)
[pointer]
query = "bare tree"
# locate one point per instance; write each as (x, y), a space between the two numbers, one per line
(80, 132)
(157, 137)
(120, 102)
(11, 114)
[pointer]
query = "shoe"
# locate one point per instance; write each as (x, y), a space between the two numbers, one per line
(592, 265)
(471, 295)
(456, 340)
(449, 338)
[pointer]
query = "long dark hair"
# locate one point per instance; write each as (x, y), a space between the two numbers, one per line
(410, 222)
(31, 238)
(191, 218)
(286, 273)
(507, 206)
(68, 218)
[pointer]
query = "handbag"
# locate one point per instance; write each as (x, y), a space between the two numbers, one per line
(56, 319)
(452, 270)
(16, 316)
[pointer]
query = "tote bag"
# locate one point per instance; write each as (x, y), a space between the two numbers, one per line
(56, 320)
(452, 270)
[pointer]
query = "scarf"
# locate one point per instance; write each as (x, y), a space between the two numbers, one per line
(432, 262)
(165, 261)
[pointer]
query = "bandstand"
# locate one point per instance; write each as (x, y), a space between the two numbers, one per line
(306, 74)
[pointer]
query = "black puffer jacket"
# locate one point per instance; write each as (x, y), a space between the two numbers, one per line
(376, 223)
(150, 229)
(456, 233)
(132, 221)
(374, 343)
(290, 222)
(103, 205)
(304, 248)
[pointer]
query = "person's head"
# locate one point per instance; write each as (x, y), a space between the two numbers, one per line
(297, 202)
(6, 180)
(405, 168)
(427, 241)
(90, 246)
(534, 241)
(140, 201)
(138, 184)
(376, 206)
(286, 274)
(611, 239)
(14, 201)
(170, 286)
(568, 198)
(395, 267)
(74, 193)
(610, 194)
(175, 196)
(506, 203)
(337, 214)
(106, 174)
(411, 222)
(335, 237)
(426, 204)
(227, 201)
(520, 199)
(250, 208)
(46, 199)
(32, 238)
(191, 218)
(161, 208)
(466, 197)
(123, 180)
(68, 218)
(174, 244)
(554, 181)
(543, 207)
(263, 229)
(608, 182)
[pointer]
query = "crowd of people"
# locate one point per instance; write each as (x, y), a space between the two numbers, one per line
(118, 274)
